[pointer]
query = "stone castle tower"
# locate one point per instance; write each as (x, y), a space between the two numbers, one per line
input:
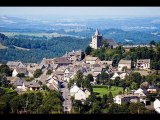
(96, 40)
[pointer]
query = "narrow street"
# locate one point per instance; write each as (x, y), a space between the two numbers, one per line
(67, 98)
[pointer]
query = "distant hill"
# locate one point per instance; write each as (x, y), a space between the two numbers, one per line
(28, 50)
(52, 38)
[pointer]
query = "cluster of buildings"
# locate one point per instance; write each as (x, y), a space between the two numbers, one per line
(65, 68)
(140, 96)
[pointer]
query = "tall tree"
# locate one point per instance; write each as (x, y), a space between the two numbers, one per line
(88, 50)
(37, 73)
(5, 69)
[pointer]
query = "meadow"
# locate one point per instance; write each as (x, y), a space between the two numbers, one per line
(105, 90)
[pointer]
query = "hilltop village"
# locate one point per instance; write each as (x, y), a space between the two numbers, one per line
(78, 75)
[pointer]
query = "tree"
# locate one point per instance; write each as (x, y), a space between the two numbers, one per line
(152, 42)
(104, 99)
(110, 97)
(21, 75)
(29, 78)
(104, 77)
(135, 77)
(88, 50)
(77, 106)
(6, 94)
(137, 108)
(86, 84)
(134, 86)
(3, 81)
(79, 78)
(96, 107)
(105, 44)
(49, 72)
(5, 69)
(37, 73)
(90, 77)
(116, 81)
(116, 58)
(114, 108)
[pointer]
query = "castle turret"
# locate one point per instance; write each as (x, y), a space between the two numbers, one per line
(96, 40)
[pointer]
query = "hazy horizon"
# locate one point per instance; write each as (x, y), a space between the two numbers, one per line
(78, 12)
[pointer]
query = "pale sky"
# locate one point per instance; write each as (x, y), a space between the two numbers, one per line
(82, 11)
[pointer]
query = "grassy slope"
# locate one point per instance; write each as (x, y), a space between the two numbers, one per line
(11, 34)
(2, 46)
(102, 91)
(20, 48)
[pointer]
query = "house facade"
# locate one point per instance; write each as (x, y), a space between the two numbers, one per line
(80, 95)
(124, 63)
(143, 64)
(19, 70)
(126, 98)
(92, 60)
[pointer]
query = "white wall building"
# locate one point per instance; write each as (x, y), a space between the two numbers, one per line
(74, 89)
(120, 99)
(96, 40)
(156, 105)
(80, 95)
(143, 64)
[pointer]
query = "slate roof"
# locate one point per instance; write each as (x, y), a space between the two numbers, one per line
(97, 69)
(90, 58)
(62, 60)
(111, 42)
(33, 84)
(19, 82)
(96, 65)
(21, 70)
(108, 62)
(13, 63)
(143, 61)
(153, 87)
(125, 62)
(59, 72)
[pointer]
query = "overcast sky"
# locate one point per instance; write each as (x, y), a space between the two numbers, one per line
(82, 11)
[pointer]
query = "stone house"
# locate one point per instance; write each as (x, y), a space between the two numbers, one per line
(143, 64)
(126, 98)
(91, 60)
(124, 63)
(19, 70)
(15, 64)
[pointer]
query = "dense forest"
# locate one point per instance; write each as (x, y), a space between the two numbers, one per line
(38, 48)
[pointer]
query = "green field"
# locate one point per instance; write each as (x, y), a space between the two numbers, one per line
(102, 91)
